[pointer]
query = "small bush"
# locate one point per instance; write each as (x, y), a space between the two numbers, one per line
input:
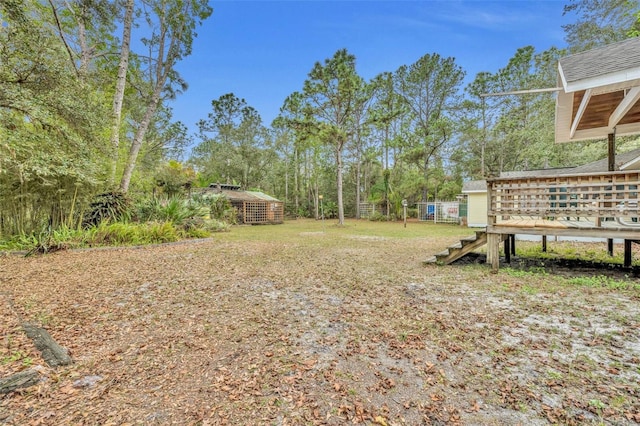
(132, 233)
(195, 233)
(109, 206)
(175, 209)
(117, 233)
(213, 225)
(160, 232)
(218, 207)
(19, 242)
(330, 209)
(379, 217)
(51, 241)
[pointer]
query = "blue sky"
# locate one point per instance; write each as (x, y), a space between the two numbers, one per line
(263, 50)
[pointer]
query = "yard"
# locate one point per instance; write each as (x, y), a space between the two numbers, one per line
(309, 323)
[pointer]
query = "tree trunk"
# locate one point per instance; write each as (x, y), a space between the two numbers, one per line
(425, 191)
(85, 55)
(286, 179)
(386, 147)
(137, 141)
(52, 352)
(358, 180)
(23, 379)
(118, 96)
(339, 182)
(163, 67)
(482, 161)
(171, 41)
(315, 191)
(484, 140)
(296, 182)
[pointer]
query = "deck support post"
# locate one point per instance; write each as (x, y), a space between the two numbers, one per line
(544, 243)
(493, 251)
(627, 253)
(513, 244)
(611, 163)
(611, 157)
(507, 249)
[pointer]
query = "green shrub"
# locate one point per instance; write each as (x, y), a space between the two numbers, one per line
(146, 209)
(214, 225)
(117, 233)
(160, 232)
(120, 233)
(109, 206)
(379, 217)
(175, 209)
(195, 233)
(218, 206)
(50, 241)
(330, 209)
(19, 242)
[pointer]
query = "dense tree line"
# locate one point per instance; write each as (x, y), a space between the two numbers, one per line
(82, 113)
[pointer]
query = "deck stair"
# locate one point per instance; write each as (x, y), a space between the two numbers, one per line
(459, 249)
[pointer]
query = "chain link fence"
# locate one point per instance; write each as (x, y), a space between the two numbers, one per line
(442, 211)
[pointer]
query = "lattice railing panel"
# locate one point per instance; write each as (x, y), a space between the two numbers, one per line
(613, 194)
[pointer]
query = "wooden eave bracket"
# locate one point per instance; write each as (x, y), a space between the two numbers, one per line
(630, 99)
(581, 109)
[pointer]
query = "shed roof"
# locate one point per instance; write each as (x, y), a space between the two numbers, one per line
(538, 172)
(262, 196)
(600, 92)
(247, 196)
(623, 161)
(626, 161)
(233, 192)
(474, 186)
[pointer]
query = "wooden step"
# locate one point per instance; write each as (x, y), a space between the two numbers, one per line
(460, 249)
(431, 260)
(469, 240)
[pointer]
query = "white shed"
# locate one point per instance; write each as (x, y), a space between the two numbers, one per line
(476, 192)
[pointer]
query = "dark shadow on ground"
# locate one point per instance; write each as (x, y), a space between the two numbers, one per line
(566, 267)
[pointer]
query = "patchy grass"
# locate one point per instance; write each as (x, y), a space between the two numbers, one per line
(296, 324)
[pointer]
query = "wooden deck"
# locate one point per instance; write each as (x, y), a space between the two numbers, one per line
(601, 205)
(574, 228)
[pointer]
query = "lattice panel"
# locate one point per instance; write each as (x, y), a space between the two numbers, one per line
(613, 194)
(262, 212)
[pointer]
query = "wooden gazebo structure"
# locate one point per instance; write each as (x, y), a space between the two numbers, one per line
(599, 98)
(252, 207)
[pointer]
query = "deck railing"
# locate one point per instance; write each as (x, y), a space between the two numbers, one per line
(596, 196)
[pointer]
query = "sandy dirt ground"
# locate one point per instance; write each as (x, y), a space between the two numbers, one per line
(314, 328)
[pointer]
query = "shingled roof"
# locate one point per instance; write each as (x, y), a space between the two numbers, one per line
(618, 59)
(624, 161)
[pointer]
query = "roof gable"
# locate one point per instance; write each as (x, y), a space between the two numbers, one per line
(600, 92)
